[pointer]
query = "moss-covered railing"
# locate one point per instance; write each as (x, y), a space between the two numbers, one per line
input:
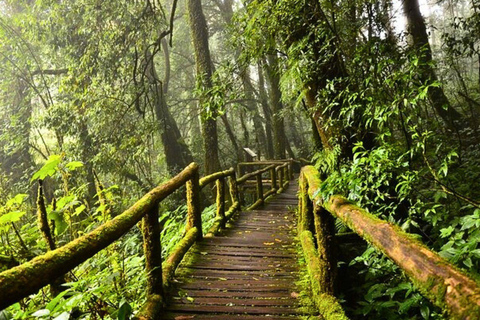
(246, 167)
(279, 177)
(448, 287)
(21, 281)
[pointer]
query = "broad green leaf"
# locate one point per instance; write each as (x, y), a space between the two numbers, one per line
(124, 311)
(48, 169)
(11, 217)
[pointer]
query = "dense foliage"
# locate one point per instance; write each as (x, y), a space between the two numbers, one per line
(102, 101)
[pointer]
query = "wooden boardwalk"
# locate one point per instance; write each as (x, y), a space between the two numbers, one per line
(247, 272)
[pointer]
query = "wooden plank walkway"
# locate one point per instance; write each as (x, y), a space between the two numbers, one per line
(247, 272)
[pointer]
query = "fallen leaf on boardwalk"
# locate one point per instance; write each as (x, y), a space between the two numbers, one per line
(223, 279)
(278, 240)
(248, 231)
(294, 295)
(190, 299)
(204, 253)
(269, 243)
(255, 278)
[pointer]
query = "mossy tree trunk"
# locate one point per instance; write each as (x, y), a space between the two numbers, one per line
(199, 34)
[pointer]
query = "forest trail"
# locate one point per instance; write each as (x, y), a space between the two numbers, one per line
(249, 271)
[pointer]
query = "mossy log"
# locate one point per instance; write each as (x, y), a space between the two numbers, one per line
(172, 262)
(28, 278)
(444, 284)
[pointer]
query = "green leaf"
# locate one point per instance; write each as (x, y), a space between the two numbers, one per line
(468, 262)
(63, 316)
(124, 311)
(11, 217)
(79, 210)
(74, 165)
(425, 312)
(18, 199)
(48, 169)
(60, 224)
(52, 304)
(41, 313)
(446, 232)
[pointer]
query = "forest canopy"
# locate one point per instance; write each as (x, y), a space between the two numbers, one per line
(100, 101)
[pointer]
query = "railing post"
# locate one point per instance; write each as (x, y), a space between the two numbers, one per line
(194, 214)
(260, 188)
(281, 177)
(220, 183)
(290, 169)
(305, 206)
(232, 181)
(152, 250)
(273, 177)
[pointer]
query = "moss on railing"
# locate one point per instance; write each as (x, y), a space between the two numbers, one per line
(448, 287)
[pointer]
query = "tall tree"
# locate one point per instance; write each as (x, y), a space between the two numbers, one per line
(419, 40)
(199, 33)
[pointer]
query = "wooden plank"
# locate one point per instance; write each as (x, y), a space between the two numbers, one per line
(251, 294)
(234, 309)
(238, 302)
(187, 316)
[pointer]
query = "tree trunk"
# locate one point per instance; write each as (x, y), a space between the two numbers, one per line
(267, 113)
(419, 41)
(277, 106)
(199, 33)
(252, 108)
(177, 154)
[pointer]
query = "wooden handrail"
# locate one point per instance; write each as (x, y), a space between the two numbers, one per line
(441, 282)
(253, 174)
(23, 280)
(28, 278)
(215, 176)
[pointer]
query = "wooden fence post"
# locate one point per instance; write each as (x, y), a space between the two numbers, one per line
(260, 188)
(194, 214)
(153, 252)
(221, 200)
(273, 177)
(232, 182)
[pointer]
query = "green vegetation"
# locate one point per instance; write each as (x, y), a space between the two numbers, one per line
(101, 102)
